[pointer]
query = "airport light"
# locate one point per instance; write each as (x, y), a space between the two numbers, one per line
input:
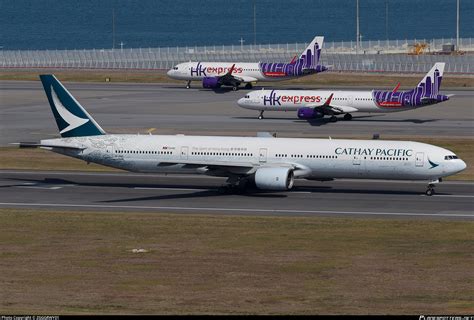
(357, 25)
(113, 28)
(254, 23)
(457, 26)
(241, 44)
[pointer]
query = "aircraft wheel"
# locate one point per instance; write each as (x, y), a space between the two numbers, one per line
(248, 86)
(333, 119)
(188, 86)
(235, 88)
(430, 192)
(260, 117)
(348, 117)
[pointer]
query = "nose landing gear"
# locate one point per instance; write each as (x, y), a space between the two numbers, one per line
(260, 117)
(430, 190)
(188, 85)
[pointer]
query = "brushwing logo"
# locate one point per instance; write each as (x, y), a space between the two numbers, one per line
(432, 164)
(72, 120)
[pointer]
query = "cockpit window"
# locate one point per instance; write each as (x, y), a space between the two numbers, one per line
(175, 68)
(451, 157)
(247, 96)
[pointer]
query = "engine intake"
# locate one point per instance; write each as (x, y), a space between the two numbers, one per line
(274, 178)
(211, 82)
(309, 113)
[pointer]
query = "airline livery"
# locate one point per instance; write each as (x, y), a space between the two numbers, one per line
(216, 74)
(311, 104)
(271, 163)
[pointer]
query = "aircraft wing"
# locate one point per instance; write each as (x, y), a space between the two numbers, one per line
(342, 109)
(230, 79)
(332, 107)
(239, 167)
(329, 106)
(245, 79)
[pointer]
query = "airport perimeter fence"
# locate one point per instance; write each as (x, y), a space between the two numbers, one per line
(371, 56)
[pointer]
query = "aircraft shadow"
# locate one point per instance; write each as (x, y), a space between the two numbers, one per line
(212, 191)
(415, 121)
(198, 194)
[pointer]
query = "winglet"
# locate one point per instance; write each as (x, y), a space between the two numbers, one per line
(396, 88)
(231, 69)
(328, 101)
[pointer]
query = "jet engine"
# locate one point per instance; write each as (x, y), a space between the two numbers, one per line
(211, 82)
(274, 178)
(309, 113)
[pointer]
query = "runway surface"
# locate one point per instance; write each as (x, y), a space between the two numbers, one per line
(169, 108)
(193, 194)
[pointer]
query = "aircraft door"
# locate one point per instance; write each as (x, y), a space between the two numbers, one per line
(350, 101)
(184, 153)
(356, 161)
(255, 98)
(420, 159)
(262, 157)
(110, 151)
(358, 164)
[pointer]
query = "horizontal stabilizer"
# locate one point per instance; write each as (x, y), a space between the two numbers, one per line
(265, 134)
(23, 145)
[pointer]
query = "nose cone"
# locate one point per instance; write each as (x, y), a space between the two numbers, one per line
(170, 73)
(456, 166)
(242, 101)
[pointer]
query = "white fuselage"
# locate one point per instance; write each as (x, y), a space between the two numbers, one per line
(292, 100)
(197, 71)
(310, 158)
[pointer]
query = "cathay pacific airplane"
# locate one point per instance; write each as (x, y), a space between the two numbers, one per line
(311, 104)
(216, 74)
(271, 163)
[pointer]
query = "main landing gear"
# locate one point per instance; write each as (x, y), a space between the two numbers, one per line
(188, 85)
(235, 185)
(260, 117)
(235, 87)
(348, 117)
(248, 86)
(430, 190)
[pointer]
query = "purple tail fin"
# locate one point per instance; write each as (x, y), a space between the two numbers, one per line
(431, 83)
(311, 54)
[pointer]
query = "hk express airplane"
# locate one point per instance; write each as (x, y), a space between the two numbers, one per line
(216, 74)
(271, 163)
(311, 104)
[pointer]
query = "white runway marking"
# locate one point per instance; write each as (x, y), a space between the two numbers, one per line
(37, 187)
(254, 210)
(450, 195)
(171, 189)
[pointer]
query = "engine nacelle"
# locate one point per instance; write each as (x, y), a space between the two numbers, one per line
(274, 178)
(211, 82)
(309, 113)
